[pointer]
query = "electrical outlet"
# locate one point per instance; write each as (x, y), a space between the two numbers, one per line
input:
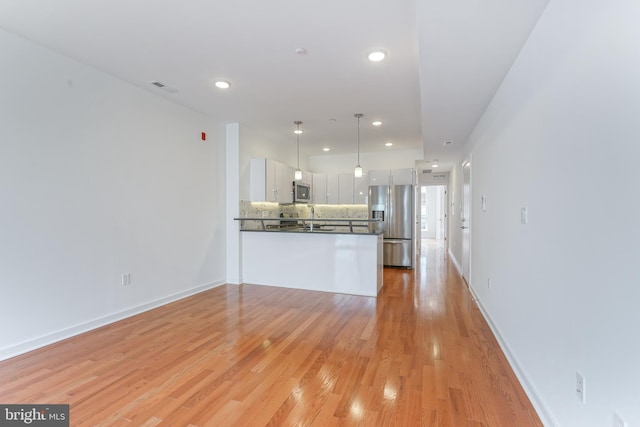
(524, 215)
(580, 387)
(126, 279)
(618, 422)
(489, 283)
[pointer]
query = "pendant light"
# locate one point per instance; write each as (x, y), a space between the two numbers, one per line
(298, 174)
(358, 171)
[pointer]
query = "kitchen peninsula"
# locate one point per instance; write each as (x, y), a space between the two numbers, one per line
(332, 255)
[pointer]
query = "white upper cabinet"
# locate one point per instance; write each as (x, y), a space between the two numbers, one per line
(307, 177)
(345, 192)
(403, 177)
(275, 170)
(379, 177)
(285, 191)
(361, 190)
(392, 177)
(333, 189)
(319, 188)
(270, 181)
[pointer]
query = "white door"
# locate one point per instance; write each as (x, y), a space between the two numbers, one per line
(429, 227)
(466, 220)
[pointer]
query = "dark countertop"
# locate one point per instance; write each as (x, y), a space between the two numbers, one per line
(301, 230)
(303, 225)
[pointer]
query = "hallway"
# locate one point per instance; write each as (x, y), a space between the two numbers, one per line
(419, 354)
(466, 379)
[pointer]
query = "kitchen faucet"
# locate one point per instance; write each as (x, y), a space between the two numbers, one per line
(313, 212)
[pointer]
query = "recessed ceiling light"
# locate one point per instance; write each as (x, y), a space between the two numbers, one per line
(376, 123)
(388, 144)
(434, 166)
(221, 84)
(447, 143)
(377, 56)
(326, 149)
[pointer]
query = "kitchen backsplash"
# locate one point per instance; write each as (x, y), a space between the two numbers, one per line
(341, 211)
(273, 210)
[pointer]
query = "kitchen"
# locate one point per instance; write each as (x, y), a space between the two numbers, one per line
(346, 250)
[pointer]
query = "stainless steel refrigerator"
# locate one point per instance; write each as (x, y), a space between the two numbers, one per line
(393, 205)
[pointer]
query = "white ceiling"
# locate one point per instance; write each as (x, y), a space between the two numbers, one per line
(446, 59)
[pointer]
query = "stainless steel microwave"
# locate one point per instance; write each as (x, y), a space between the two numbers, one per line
(301, 192)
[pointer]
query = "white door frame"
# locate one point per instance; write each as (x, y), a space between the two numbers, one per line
(445, 208)
(465, 220)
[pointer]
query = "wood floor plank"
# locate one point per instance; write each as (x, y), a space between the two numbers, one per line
(420, 354)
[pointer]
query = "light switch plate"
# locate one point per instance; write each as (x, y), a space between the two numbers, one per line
(484, 203)
(524, 215)
(580, 388)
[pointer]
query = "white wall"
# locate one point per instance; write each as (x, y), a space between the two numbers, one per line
(338, 163)
(561, 138)
(232, 203)
(254, 144)
(436, 178)
(98, 178)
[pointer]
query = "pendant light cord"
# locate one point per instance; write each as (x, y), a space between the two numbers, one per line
(298, 142)
(358, 115)
(358, 139)
(298, 123)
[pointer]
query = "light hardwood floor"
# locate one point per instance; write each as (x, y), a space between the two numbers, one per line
(419, 354)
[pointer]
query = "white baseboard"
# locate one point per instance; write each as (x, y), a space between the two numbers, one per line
(54, 337)
(541, 408)
(455, 262)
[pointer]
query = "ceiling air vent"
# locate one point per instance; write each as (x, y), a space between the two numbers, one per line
(427, 170)
(163, 86)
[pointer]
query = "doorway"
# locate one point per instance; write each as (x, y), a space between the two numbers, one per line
(433, 217)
